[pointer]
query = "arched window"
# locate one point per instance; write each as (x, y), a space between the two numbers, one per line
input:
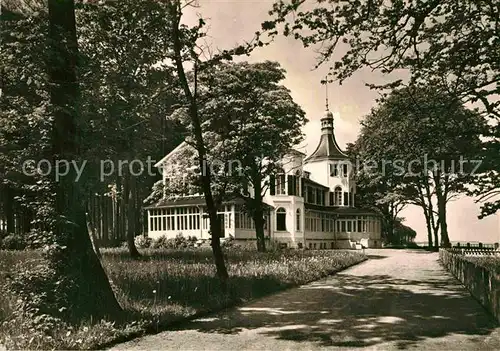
(338, 196)
(281, 219)
(298, 219)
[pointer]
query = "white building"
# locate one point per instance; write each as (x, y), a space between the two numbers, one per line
(311, 204)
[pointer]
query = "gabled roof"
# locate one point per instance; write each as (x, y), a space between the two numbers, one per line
(171, 153)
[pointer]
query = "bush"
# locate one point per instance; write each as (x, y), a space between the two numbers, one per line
(37, 239)
(143, 242)
(14, 242)
(179, 242)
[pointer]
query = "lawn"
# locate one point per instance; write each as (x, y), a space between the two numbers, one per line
(165, 286)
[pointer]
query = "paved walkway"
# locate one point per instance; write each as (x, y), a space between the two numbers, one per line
(396, 300)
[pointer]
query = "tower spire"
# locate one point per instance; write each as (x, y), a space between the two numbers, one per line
(326, 92)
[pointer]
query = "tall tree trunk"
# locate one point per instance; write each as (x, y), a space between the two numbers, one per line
(258, 217)
(175, 10)
(436, 235)
(117, 219)
(9, 210)
(128, 205)
(390, 224)
(441, 194)
(445, 240)
(430, 209)
(423, 204)
(93, 237)
(258, 212)
(90, 292)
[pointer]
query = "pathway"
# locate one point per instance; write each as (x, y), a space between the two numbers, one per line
(399, 299)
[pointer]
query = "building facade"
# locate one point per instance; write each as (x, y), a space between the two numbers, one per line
(311, 204)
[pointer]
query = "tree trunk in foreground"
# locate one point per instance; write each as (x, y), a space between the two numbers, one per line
(175, 10)
(89, 290)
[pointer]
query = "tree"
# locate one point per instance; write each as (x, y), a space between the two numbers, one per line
(183, 49)
(446, 43)
(73, 256)
(430, 142)
(126, 93)
(24, 119)
(249, 123)
(253, 121)
(404, 235)
(377, 191)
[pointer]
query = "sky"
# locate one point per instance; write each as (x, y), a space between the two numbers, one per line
(232, 22)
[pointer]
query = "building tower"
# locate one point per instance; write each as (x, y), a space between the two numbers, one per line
(329, 165)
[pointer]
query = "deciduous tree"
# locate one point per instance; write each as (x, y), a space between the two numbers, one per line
(430, 142)
(446, 43)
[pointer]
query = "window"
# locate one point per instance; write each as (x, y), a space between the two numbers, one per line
(344, 170)
(297, 183)
(342, 227)
(334, 170)
(281, 219)
(331, 199)
(338, 196)
(346, 198)
(309, 194)
(349, 226)
(298, 220)
(320, 199)
(280, 184)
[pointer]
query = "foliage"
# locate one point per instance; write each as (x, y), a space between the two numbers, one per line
(448, 44)
(403, 234)
(143, 242)
(418, 147)
(438, 41)
(250, 122)
(156, 193)
(168, 285)
(179, 242)
(13, 242)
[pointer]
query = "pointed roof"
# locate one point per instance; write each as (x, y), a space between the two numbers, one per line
(327, 149)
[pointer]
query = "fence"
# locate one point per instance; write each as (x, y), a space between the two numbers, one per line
(475, 251)
(483, 283)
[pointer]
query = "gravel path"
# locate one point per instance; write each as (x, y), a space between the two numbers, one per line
(399, 299)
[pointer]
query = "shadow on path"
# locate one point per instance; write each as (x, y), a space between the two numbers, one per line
(359, 310)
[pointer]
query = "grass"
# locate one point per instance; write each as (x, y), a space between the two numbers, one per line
(166, 286)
